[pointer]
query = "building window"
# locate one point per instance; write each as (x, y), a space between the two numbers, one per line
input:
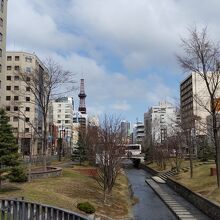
(26, 130)
(8, 87)
(28, 79)
(16, 88)
(0, 85)
(27, 119)
(15, 130)
(2, 6)
(28, 89)
(8, 108)
(17, 68)
(28, 59)
(1, 37)
(9, 58)
(8, 78)
(0, 52)
(28, 99)
(16, 98)
(27, 109)
(8, 98)
(15, 118)
(0, 68)
(17, 58)
(16, 78)
(8, 67)
(1, 22)
(28, 70)
(15, 108)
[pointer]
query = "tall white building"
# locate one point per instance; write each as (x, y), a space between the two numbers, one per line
(61, 114)
(159, 122)
(125, 130)
(138, 133)
(80, 121)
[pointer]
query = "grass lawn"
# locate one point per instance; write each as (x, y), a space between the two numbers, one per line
(201, 182)
(74, 186)
(185, 163)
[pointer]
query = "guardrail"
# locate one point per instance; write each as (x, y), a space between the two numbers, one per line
(22, 210)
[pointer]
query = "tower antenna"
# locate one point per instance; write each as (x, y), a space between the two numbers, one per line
(82, 97)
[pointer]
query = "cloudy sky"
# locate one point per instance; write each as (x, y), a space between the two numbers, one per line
(125, 49)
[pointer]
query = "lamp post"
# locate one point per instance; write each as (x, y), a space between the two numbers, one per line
(60, 143)
(18, 132)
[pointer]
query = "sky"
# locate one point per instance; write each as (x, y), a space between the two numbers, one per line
(125, 50)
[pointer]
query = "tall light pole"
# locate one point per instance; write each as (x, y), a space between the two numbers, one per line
(18, 132)
(60, 143)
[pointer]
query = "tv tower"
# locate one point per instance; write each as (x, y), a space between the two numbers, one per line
(82, 97)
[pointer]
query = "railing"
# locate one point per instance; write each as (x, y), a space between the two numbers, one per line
(23, 210)
(38, 159)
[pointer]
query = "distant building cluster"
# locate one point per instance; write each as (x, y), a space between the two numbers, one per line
(22, 106)
(163, 120)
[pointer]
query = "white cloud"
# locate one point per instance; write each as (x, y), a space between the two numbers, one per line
(142, 35)
(121, 106)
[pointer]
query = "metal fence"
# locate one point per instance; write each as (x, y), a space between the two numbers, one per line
(38, 159)
(22, 210)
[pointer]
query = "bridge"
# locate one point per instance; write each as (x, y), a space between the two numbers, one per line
(137, 157)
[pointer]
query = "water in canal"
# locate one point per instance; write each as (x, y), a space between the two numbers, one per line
(150, 206)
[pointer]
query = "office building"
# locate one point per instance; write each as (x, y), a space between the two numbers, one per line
(3, 30)
(138, 133)
(159, 123)
(125, 131)
(20, 103)
(61, 114)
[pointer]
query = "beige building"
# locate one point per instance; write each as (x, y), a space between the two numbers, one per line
(194, 100)
(19, 101)
(3, 29)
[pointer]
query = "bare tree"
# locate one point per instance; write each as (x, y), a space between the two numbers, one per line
(45, 84)
(202, 57)
(108, 149)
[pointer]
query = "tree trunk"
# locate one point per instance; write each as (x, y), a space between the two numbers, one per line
(191, 161)
(217, 150)
(104, 197)
(45, 144)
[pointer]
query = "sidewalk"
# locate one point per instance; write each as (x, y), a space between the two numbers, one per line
(178, 205)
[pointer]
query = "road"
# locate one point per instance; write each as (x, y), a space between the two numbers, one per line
(150, 206)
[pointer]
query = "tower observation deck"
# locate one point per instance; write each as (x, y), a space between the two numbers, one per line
(82, 98)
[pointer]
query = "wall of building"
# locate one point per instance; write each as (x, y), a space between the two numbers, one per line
(159, 122)
(20, 103)
(3, 29)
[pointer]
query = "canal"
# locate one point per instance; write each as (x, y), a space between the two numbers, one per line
(149, 206)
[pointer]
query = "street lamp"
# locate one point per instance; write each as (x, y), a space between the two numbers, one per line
(18, 132)
(60, 143)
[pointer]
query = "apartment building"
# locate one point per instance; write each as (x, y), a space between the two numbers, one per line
(125, 131)
(3, 29)
(194, 98)
(160, 122)
(138, 133)
(61, 113)
(19, 101)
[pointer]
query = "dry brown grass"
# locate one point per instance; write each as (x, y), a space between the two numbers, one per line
(201, 182)
(74, 187)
